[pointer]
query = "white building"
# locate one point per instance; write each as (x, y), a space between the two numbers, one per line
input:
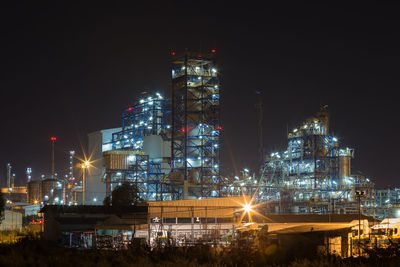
(95, 188)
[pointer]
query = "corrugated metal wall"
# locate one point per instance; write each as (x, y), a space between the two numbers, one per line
(210, 207)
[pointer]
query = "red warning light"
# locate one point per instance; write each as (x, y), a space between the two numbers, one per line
(53, 138)
(183, 130)
(219, 127)
(130, 108)
(213, 51)
(173, 53)
(33, 221)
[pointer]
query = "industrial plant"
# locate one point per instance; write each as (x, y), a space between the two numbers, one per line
(169, 146)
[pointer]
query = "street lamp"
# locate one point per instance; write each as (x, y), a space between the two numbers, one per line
(359, 194)
(85, 165)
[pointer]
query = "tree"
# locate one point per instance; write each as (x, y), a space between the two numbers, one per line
(124, 195)
(2, 204)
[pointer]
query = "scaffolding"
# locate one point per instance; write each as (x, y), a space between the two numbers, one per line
(127, 161)
(150, 115)
(195, 135)
(313, 175)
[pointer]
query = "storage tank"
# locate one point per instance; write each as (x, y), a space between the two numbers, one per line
(33, 192)
(344, 167)
(51, 191)
(77, 195)
(59, 195)
(159, 151)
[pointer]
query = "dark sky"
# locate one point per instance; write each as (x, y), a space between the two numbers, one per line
(70, 70)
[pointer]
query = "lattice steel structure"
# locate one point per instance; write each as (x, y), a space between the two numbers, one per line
(313, 168)
(127, 162)
(195, 136)
(136, 168)
(150, 115)
(312, 175)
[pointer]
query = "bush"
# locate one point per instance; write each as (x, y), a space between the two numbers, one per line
(31, 251)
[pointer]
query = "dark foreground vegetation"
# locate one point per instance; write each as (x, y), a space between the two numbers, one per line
(33, 252)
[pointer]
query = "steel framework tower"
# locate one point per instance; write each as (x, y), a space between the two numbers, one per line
(128, 162)
(150, 115)
(195, 137)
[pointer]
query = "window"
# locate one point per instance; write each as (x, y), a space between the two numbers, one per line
(225, 220)
(184, 220)
(169, 220)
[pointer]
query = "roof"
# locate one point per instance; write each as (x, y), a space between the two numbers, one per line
(91, 209)
(295, 228)
(312, 218)
(204, 202)
(387, 223)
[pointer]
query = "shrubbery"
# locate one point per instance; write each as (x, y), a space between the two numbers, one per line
(34, 252)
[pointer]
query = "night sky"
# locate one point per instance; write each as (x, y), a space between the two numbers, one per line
(69, 70)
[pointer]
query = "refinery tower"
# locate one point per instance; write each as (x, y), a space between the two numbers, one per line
(195, 136)
(169, 145)
(312, 175)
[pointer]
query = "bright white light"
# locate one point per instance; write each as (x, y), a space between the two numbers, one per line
(247, 207)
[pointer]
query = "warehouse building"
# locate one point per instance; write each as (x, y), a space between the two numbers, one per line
(183, 221)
